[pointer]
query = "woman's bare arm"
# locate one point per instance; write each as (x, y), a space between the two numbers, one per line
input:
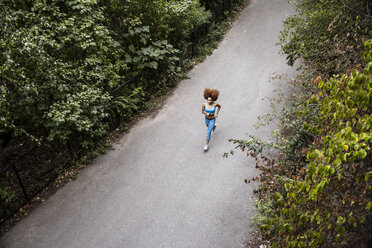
(203, 109)
(219, 108)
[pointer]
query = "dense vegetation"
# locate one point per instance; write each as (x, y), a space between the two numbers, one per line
(70, 69)
(316, 192)
(327, 35)
(60, 60)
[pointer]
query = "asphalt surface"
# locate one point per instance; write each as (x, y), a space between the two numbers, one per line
(158, 188)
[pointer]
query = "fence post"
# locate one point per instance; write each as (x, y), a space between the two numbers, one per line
(20, 183)
(223, 9)
(70, 150)
(229, 1)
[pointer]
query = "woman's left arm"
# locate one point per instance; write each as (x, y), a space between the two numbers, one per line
(218, 110)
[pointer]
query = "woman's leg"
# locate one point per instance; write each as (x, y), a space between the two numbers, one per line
(210, 128)
(207, 123)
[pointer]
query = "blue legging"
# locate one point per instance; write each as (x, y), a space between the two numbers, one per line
(210, 125)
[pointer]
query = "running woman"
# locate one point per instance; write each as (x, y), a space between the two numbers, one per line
(210, 109)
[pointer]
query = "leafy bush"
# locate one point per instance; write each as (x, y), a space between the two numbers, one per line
(152, 32)
(54, 55)
(327, 35)
(316, 192)
(211, 4)
(326, 201)
(60, 60)
(72, 70)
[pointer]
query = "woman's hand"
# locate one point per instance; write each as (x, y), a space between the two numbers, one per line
(215, 115)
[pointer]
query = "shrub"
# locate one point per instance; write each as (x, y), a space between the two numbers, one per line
(326, 201)
(327, 35)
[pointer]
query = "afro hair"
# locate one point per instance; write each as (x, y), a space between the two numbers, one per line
(213, 93)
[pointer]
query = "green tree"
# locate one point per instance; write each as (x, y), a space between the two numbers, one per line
(328, 35)
(51, 55)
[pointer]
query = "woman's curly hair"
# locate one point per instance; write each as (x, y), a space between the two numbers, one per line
(213, 93)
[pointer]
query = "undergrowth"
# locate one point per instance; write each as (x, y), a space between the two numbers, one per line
(316, 190)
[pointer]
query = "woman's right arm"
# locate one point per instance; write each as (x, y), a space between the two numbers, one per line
(203, 108)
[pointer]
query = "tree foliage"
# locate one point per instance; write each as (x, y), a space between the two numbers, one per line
(54, 56)
(61, 59)
(317, 191)
(326, 200)
(327, 35)
(72, 70)
(330, 200)
(211, 4)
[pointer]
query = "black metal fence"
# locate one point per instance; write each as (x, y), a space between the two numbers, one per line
(24, 177)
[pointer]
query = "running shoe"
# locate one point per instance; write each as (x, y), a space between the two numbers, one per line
(206, 148)
(214, 128)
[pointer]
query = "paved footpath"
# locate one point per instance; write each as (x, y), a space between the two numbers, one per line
(158, 188)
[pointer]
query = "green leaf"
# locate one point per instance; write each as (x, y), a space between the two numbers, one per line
(367, 175)
(362, 154)
(132, 48)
